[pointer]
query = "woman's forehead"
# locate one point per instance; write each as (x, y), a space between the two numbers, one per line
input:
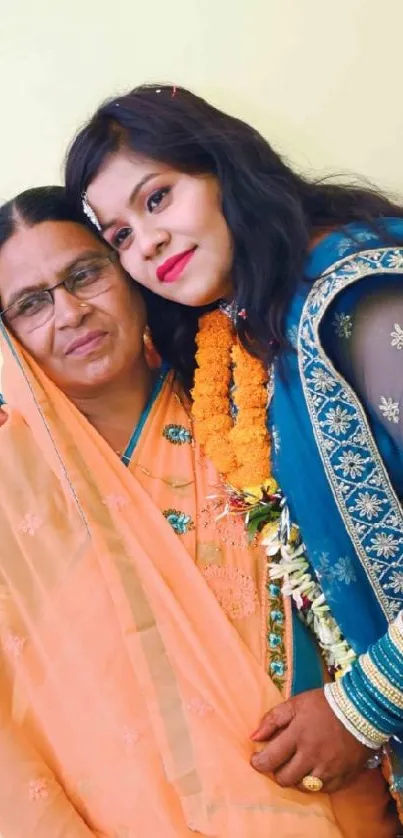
(41, 253)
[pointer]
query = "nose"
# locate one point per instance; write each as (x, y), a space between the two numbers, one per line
(69, 311)
(150, 241)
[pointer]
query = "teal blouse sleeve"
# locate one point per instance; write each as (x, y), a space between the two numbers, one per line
(365, 341)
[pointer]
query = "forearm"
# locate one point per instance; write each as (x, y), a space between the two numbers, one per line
(368, 700)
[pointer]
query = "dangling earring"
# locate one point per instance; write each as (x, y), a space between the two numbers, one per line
(152, 357)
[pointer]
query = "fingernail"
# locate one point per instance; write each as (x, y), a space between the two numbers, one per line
(258, 764)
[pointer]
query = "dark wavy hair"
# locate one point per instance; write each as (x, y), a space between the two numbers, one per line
(32, 207)
(272, 212)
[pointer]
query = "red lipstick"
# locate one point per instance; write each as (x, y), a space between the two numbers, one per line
(171, 269)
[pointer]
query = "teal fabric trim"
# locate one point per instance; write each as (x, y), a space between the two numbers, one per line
(363, 696)
(128, 453)
(389, 661)
(368, 699)
(308, 667)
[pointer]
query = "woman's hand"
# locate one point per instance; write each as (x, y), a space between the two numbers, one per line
(304, 737)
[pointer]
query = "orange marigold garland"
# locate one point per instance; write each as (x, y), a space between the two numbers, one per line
(240, 448)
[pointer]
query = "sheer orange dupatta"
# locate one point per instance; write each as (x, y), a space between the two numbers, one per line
(128, 697)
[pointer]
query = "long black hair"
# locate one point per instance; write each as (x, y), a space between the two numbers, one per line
(272, 212)
(32, 207)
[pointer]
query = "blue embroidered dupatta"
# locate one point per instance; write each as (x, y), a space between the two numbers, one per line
(335, 463)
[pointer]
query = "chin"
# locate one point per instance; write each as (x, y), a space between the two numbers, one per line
(199, 296)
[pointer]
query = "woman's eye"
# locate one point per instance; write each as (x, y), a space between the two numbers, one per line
(154, 201)
(121, 236)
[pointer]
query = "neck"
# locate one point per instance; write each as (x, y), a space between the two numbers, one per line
(116, 409)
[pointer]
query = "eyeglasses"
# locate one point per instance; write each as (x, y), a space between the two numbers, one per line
(90, 277)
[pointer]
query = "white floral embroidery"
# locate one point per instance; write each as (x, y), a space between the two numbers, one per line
(351, 463)
(384, 545)
(368, 506)
(344, 570)
(343, 326)
(360, 529)
(14, 645)
(292, 335)
(322, 380)
(30, 524)
(130, 737)
(319, 292)
(38, 789)
(395, 259)
(343, 246)
(395, 606)
(396, 582)
(375, 526)
(390, 409)
(341, 571)
(306, 335)
(115, 502)
(323, 564)
(199, 707)
(397, 337)
(363, 236)
(337, 420)
(276, 439)
(358, 439)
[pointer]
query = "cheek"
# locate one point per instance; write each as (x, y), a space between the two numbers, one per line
(211, 222)
(132, 320)
(39, 344)
(133, 266)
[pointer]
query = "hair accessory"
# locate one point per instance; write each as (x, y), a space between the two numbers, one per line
(232, 311)
(89, 212)
(173, 94)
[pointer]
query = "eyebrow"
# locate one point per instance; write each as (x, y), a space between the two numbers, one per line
(41, 286)
(132, 197)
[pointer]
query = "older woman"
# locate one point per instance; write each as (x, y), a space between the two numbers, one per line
(132, 623)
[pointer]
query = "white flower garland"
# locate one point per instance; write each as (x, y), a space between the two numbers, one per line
(290, 565)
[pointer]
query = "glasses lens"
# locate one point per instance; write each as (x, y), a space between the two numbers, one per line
(30, 312)
(91, 278)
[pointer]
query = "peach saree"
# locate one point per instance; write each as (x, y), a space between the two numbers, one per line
(133, 640)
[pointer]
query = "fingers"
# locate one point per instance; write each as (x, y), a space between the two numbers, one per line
(279, 751)
(292, 772)
(278, 718)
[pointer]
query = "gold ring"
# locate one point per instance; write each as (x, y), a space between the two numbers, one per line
(311, 783)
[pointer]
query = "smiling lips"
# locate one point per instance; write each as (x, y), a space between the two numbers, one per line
(171, 270)
(85, 344)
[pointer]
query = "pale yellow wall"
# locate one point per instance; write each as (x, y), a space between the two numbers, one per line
(322, 78)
